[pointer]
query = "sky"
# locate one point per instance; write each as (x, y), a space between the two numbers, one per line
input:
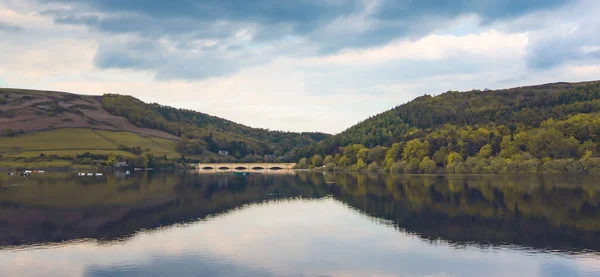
(303, 65)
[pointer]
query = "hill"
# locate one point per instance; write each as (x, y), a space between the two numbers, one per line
(543, 126)
(61, 124)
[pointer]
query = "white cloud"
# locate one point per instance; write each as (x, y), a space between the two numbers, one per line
(436, 47)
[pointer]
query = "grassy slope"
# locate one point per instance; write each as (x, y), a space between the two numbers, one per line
(70, 142)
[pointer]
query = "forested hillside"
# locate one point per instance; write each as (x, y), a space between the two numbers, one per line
(200, 132)
(548, 128)
(49, 128)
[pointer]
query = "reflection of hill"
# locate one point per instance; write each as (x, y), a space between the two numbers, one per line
(547, 214)
(537, 213)
(74, 210)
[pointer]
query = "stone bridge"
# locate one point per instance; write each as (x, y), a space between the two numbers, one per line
(244, 166)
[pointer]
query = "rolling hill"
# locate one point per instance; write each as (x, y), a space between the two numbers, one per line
(42, 123)
(546, 126)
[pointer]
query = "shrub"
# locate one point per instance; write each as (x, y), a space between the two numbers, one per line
(561, 166)
(360, 165)
(398, 167)
(9, 132)
(374, 167)
(427, 165)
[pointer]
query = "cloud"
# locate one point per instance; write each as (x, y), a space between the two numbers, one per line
(9, 27)
(320, 72)
(218, 38)
(489, 10)
(559, 37)
(578, 43)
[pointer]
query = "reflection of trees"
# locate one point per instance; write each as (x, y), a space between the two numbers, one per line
(111, 210)
(530, 211)
(537, 212)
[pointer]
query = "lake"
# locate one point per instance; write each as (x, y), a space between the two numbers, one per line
(305, 224)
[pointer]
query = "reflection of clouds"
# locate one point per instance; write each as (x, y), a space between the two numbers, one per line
(295, 237)
(589, 264)
(179, 266)
(29, 263)
(559, 269)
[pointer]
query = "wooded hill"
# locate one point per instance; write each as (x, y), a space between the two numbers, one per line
(28, 115)
(545, 128)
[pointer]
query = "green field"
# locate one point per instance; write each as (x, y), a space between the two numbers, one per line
(73, 141)
(73, 153)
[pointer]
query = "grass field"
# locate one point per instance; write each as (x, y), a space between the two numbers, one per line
(73, 153)
(73, 141)
(156, 145)
(41, 164)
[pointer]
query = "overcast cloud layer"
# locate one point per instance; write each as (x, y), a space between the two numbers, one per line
(306, 65)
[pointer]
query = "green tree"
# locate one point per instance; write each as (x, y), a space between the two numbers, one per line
(360, 164)
(351, 152)
(427, 165)
(485, 151)
(328, 159)
(588, 146)
(336, 158)
(440, 157)
(394, 153)
(454, 161)
(343, 162)
(302, 164)
(374, 167)
(412, 166)
(398, 167)
(509, 147)
(317, 160)
(363, 154)
(415, 149)
(111, 161)
(377, 154)
(148, 160)
(454, 158)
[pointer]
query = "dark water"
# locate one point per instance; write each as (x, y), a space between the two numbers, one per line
(299, 225)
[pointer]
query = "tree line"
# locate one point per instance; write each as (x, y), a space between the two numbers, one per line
(544, 129)
(203, 135)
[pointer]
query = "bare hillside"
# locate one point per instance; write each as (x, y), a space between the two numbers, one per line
(29, 111)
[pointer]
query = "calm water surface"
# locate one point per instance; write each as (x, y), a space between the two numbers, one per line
(58, 224)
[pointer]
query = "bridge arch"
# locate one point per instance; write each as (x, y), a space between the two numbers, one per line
(245, 166)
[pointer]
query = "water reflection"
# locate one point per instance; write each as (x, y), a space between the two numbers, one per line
(302, 225)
